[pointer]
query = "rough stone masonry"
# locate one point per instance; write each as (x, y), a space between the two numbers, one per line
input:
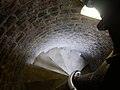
(28, 27)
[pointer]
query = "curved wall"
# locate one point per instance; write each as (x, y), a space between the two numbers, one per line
(29, 27)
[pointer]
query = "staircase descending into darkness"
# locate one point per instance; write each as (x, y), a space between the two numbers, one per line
(51, 69)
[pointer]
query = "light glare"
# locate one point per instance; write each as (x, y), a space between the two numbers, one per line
(90, 12)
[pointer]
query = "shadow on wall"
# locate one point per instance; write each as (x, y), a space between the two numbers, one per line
(11, 68)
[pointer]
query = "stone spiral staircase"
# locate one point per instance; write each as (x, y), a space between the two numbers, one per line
(51, 69)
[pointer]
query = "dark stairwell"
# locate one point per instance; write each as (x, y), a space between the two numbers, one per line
(28, 28)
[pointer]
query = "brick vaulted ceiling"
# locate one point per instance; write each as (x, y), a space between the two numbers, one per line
(28, 27)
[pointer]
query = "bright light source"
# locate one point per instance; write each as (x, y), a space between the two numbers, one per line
(91, 12)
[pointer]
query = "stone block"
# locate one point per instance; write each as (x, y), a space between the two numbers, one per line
(10, 21)
(75, 10)
(32, 19)
(2, 30)
(75, 18)
(11, 31)
(47, 19)
(23, 1)
(23, 27)
(20, 21)
(52, 3)
(41, 14)
(3, 42)
(4, 59)
(55, 13)
(54, 21)
(20, 13)
(37, 22)
(32, 12)
(9, 8)
(65, 11)
(11, 44)
(31, 6)
(2, 18)
(42, 7)
(19, 37)
(53, 9)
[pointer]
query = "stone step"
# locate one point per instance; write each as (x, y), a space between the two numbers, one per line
(77, 62)
(65, 53)
(34, 73)
(55, 55)
(44, 61)
(63, 86)
(44, 84)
